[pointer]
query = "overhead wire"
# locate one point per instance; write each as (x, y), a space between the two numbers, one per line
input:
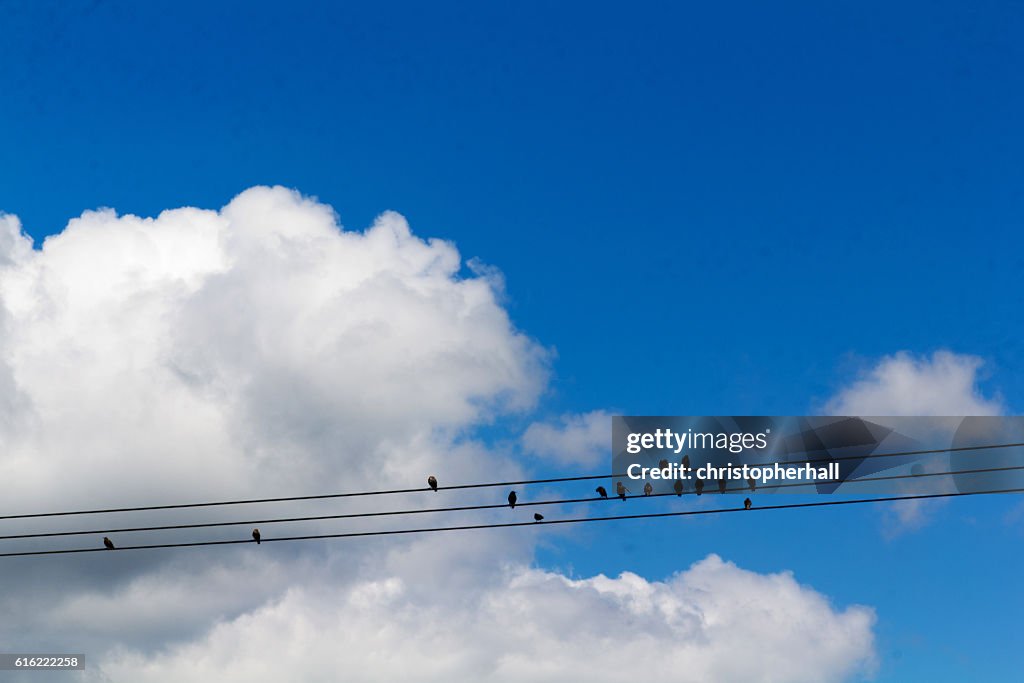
(494, 506)
(466, 527)
(521, 482)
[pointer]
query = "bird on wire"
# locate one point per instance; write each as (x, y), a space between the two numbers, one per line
(663, 464)
(678, 487)
(256, 536)
(537, 517)
(601, 491)
(512, 500)
(699, 485)
(432, 482)
(721, 485)
(686, 461)
(108, 543)
(747, 504)
(752, 483)
(621, 490)
(648, 489)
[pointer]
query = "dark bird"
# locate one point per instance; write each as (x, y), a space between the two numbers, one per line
(601, 491)
(432, 482)
(747, 504)
(256, 536)
(648, 489)
(512, 500)
(752, 483)
(721, 485)
(537, 517)
(108, 543)
(663, 465)
(699, 485)
(620, 490)
(678, 486)
(686, 461)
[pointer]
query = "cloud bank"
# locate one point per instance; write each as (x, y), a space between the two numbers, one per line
(712, 622)
(263, 350)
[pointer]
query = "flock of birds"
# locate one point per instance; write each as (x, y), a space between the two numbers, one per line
(620, 491)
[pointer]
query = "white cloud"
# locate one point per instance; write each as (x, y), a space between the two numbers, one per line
(946, 384)
(255, 348)
(713, 622)
(574, 440)
(262, 350)
(904, 384)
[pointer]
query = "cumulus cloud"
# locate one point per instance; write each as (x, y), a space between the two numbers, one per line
(261, 349)
(255, 348)
(944, 384)
(904, 384)
(535, 626)
(573, 440)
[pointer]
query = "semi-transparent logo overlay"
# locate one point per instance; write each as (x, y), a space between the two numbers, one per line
(817, 454)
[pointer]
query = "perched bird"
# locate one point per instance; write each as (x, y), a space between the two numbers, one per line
(512, 500)
(537, 517)
(432, 482)
(108, 543)
(752, 483)
(721, 485)
(747, 504)
(663, 465)
(648, 489)
(601, 491)
(686, 461)
(678, 486)
(621, 490)
(699, 485)
(256, 536)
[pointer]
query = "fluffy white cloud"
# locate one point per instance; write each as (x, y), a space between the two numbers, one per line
(904, 384)
(712, 622)
(262, 350)
(574, 440)
(258, 348)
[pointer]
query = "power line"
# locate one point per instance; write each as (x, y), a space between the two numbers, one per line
(522, 482)
(465, 508)
(467, 527)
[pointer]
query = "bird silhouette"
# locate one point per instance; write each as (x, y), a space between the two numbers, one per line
(686, 461)
(752, 483)
(256, 536)
(663, 464)
(678, 487)
(699, 485)
(621, 490)
(721, 485)
(601, 491)
(747, 504)
(648, 489)
(108, 543)
(537, 517)
(512, 500)
(432, 482)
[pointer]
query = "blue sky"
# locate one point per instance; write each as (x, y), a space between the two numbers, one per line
(730, 208)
